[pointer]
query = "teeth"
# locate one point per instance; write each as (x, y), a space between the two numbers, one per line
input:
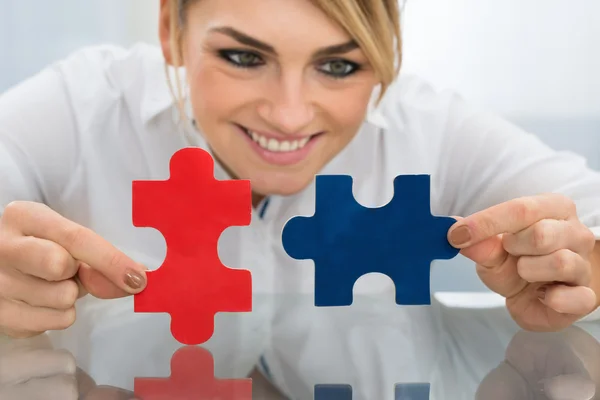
(278, 146)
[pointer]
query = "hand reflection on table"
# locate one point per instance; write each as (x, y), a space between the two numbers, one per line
(537, 366)
(31, 369)
(546, 366)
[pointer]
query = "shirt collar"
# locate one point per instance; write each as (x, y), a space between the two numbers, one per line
(375, 115)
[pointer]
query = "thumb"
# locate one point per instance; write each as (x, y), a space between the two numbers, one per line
(496, 268)
(93, 282)
(488, 253)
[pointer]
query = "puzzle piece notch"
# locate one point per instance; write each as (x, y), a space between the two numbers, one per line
(404, 391)
(346, 240)
(191, 210)
(192, 377)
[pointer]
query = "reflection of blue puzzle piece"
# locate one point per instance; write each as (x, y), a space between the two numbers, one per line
(407, 391)
(333, 392)
(412, 391)
(347, 240)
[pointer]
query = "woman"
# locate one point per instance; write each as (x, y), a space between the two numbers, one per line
(277, 91)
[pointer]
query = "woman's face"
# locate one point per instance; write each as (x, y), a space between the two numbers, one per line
(276, 87)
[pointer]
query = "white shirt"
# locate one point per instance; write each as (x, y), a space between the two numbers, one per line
(76, 135)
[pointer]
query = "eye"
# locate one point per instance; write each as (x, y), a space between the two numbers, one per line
(339, 68)
(241, 58)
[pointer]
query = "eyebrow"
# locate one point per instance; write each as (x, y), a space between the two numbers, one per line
(267, 48)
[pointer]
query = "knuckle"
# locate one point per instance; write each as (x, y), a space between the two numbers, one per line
(67, 318)
(74, 236)
(116, 260)
(16, 211)
(68, 294)
(588, 238)
(540, 235)
(525, 270)
(55, 264)
(567, 203)
(562, 260)
(524, 209)
(522, 267)
(13, 211)
(487, 225)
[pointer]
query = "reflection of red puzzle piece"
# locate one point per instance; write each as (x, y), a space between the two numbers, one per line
(192, 377)
(191, 210)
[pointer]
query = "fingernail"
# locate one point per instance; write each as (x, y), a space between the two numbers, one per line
(541, 292)
(460, 236)
(134, 280)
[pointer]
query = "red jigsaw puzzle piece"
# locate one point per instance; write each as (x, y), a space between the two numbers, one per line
(192, 377)
(191, 210)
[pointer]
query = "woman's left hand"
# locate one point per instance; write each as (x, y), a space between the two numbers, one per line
(536, 253)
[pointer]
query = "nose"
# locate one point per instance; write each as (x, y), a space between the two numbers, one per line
(288, 108)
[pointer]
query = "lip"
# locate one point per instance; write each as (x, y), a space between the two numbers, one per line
(283, 158)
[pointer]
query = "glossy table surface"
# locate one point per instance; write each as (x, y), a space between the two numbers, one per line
(469, 349)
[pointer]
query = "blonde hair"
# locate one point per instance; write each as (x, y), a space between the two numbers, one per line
(373, 24)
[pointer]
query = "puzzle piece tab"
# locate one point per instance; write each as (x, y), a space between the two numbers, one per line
(346, 240)
(410, 391)
(192, 209)
(192, 378)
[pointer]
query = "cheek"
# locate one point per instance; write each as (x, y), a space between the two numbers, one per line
(212, 94)
(348, 108)
(215, 94)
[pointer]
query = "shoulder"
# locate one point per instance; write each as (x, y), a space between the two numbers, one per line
(97, 77)
(107, 64)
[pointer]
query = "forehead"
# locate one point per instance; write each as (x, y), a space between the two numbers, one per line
(274, 21)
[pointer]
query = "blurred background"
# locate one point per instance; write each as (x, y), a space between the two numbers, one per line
(534, 62)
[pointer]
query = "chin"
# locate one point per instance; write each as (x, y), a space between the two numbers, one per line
(281, 185)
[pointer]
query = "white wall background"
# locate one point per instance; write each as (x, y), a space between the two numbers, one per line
(34, 33)
(535, 62)
(520, 57)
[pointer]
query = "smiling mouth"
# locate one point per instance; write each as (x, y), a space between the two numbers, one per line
(277, 145)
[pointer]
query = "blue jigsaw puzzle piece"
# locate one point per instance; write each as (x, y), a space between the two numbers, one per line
(333, 392)
(412, 391)
(346, 240)
(405, 391)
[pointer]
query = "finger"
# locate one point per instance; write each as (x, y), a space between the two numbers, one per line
(495, 267)
(98, 285)
(573, 300)
(569, 386)
(82, 289)
(510, 217)
(37, 292)
(29, 364)
(561, 266)
(60, 387)
(503, 383)
(22, 317)
(37, 220)
(549, 235)
(110, 393)
(489, 253)
(85, 383)
(39, 257)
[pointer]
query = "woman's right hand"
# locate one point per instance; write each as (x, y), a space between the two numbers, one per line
(48, 262)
